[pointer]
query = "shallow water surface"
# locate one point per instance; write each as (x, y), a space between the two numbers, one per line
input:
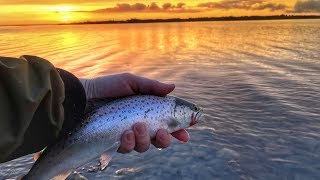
(258, 82)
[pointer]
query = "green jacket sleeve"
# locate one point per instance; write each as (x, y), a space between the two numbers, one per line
(32, 100)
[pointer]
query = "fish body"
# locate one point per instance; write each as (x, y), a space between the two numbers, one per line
(100, 133)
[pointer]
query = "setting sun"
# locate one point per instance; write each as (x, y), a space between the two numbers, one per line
(64, 13)
(64, 8)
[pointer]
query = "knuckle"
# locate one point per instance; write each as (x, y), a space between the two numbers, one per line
(143, 147)
(127, 75)
(122, 151)
(126, 148)
(164, 141)
(157, 145)
(163, 144)
(141, 132)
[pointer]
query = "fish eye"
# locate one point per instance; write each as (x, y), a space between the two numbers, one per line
(195, 108)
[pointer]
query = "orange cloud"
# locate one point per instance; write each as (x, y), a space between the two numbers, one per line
(243, 4)
(169, 5)
(153, 7)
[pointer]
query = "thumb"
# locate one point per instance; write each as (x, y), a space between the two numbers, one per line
(152, 87)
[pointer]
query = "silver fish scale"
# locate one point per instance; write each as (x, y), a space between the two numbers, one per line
(113, 119)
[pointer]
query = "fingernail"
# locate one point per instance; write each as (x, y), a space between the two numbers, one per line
(129, 135)
(141, 129)
(172, 85)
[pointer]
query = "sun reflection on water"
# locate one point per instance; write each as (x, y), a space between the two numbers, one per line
(69, 38)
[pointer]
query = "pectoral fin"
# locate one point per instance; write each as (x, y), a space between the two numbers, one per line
(62, 175)
(104, 161)
(106, 157)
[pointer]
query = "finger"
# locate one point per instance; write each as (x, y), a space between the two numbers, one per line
(181, 135)
(148, 86)
(127, 142)
(163, 139)
(142, 137)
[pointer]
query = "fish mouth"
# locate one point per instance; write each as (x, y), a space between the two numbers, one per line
(195, 118)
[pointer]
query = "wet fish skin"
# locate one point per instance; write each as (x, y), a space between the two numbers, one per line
(101, 131)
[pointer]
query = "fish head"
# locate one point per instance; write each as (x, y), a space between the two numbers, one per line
(187, 113)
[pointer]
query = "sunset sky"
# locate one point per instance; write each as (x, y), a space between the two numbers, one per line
(65, 11)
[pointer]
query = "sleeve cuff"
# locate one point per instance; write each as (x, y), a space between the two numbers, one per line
(74, 103)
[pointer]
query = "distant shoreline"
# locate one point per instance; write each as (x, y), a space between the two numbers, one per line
(203, 19)
(200, 19)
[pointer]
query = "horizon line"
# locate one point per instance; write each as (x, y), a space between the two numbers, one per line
(168, 20)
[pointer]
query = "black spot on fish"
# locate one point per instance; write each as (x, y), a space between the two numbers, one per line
(173, 124)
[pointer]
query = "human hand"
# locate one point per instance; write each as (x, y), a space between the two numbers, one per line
(120, 85)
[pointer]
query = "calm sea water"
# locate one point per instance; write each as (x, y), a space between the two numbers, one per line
(258, 82)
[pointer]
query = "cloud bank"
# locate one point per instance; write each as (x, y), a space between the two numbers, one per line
(153, 7)
(301, 6)
(243, 4)
(181, 7)
(308, 6)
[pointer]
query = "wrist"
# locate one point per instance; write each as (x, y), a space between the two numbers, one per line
(74, 102)
(88, 87)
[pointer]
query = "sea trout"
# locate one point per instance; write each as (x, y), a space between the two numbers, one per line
(99, 134)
